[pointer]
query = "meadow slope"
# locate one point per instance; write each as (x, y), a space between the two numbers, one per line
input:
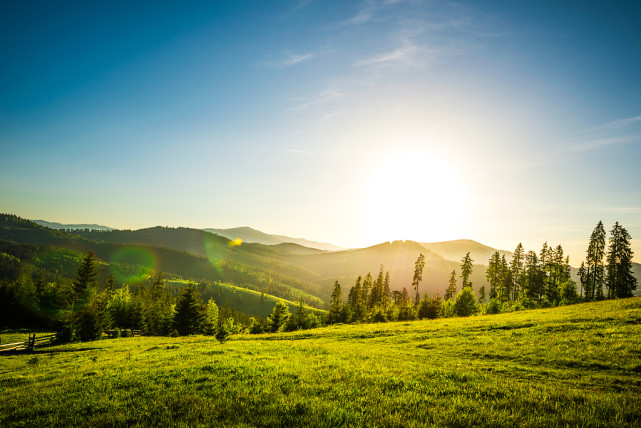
(570, 366)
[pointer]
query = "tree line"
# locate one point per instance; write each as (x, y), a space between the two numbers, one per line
(82, 309)
(529, 280)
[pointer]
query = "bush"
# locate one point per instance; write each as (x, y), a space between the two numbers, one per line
(494, 307)
(465, 303)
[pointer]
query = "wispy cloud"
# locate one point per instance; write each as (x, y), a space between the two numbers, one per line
(617, 124)
(322, 98)
(621, 131)
(403, 54)
(293, 59)
(288, 59)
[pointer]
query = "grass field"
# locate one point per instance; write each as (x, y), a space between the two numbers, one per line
(570, 366)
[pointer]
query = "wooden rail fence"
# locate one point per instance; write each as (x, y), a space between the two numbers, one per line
(30, 343)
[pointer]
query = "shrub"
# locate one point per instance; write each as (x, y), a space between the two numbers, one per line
(494, 307)
(465, 303)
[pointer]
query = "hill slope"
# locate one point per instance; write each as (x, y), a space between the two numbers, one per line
(568, 366)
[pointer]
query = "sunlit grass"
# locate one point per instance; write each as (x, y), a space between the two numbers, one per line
(570, 366)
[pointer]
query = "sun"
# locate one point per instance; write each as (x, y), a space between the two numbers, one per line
(414, 194)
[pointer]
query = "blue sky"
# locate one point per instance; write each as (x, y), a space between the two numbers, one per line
(348, 122)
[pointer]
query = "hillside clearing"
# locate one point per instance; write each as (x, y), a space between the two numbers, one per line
(576, 365)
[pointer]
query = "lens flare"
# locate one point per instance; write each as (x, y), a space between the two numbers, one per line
(132, 264)
(235, 243)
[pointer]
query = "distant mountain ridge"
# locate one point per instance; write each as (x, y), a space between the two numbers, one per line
(60, 226)
(456, 249)
(250, 235)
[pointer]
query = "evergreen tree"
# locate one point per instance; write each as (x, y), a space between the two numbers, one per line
(466, 271)
(385, 297)
(87, 274)
(366, 289)
(279, 316)
(482, 294)
(376, 295)
(430, 307)
(620, 281)
(595, 271)
(533, 285)
(493, 274)
(336, 305)
(451, 289)
(157, 307)
(516, 266)
(419, 265)
(190, 311)
(582, 277)
(110, 283)
(506, 282)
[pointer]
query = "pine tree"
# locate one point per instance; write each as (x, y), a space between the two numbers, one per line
(87, 274)
(366, 289)
(451, 289)
(533, 277)
(620, 281)
(516, 266)
(582, 277)
(482, 294)
(493, 274)
(595, 271)
(506, 283)
(279, 316)
(110, 284)
(385, 297)
(376, 295)
(336, 305)
(466, 271)
(418, 275)
(190, 311)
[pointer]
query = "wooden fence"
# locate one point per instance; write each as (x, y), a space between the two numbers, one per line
(30, 343)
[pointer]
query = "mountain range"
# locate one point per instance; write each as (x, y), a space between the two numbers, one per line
(280, 270)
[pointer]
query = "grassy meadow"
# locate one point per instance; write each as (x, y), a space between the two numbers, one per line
(569, 366)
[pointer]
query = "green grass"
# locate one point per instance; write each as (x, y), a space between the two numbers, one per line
(249, 301)
(570, 366)
(22, 335)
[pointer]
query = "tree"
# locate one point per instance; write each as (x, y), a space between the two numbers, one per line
(451, 289)
(430, 307)
(506, 281)
(376, 295)
(336, 305)
(465, 303)
(211, 318)
(582, 277)
(418, 275)
(279, 316)
(620, 281)
(482, 294)
(190, 311)
(110, 284)
(516, 266)
(87, 274)
(466, 271)
(594, 272)
(533, 285)
(385, 298)
(493, 274)
(157, 307)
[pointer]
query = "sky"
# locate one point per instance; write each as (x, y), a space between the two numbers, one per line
(350, 122)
